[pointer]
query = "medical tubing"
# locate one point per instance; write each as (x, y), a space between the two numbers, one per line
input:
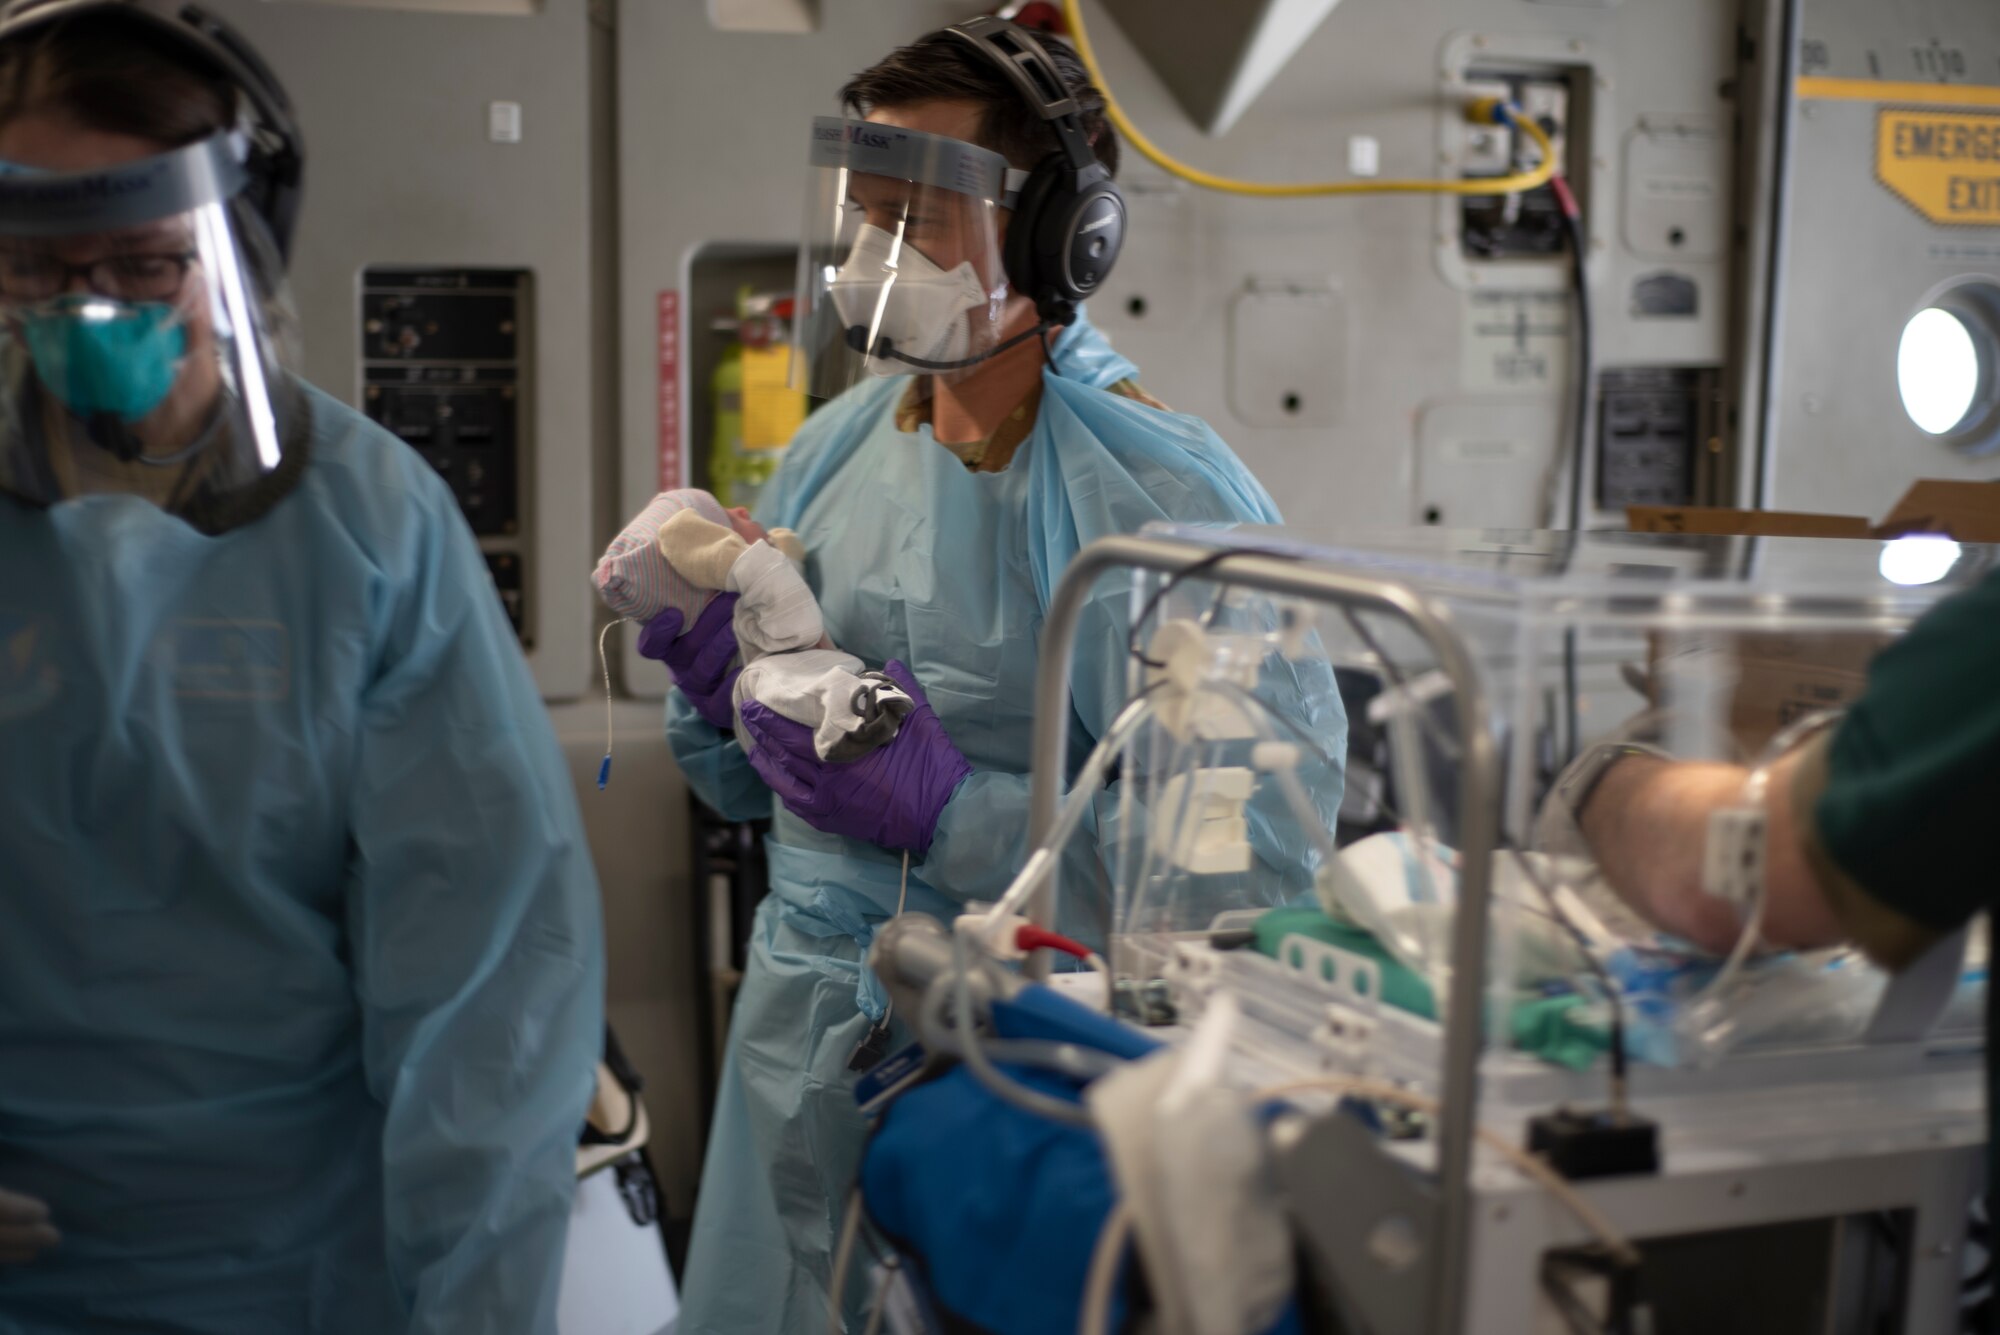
(1167, 586)
(902, 902)
(1406, 754)
(1604, 980)
(1300, 801)
(1102, 968)
(997, 1083)
(1258, 715)
(1701, 1006)
(843, 1257)
(1044, 859)
(1121, 861)
(878, 1311)
(1586, 370)
(1095, 1318)
(1183, 752)
(1070, 1059)
(604, 664)
(1755, 789)
(1584, 397)
(1031, 937)
(1516, 183)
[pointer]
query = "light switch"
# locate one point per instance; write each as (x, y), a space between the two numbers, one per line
(1364, 155)
(503, 122)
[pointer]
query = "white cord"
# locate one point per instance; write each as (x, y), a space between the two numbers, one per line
(1706, 1005)
(1102, 968)
(1044, 859)
(843, 1257)
(972, 1048)
(902, 902)
(1095, 1319)
(610, 732)
(881, 1309)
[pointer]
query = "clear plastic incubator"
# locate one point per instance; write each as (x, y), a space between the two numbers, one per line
(1340, 801)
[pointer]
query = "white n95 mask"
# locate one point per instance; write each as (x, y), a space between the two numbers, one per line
(902, 303)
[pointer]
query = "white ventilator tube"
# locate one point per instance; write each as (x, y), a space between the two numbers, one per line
(1088, 783)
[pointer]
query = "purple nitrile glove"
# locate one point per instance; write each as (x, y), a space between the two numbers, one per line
(891, 797)
(701, 658)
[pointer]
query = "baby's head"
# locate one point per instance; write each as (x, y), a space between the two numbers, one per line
(746, 528)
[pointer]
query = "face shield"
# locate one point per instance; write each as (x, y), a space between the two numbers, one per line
(900, 271)
(144, 338)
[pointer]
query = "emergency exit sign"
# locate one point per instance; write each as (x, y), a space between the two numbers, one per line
(1943, 164)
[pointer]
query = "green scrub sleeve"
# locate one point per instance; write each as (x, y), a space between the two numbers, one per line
(1906, 806)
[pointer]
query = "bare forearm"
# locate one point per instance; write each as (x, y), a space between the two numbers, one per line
(1647, 823)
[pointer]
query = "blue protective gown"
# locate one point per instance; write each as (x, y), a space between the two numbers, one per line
(915, 558)
(301, 968)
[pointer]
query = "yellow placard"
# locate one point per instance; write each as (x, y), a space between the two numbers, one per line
(772, 409)
(1943, 164)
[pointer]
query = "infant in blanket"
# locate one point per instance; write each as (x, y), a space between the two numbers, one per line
(684, 550)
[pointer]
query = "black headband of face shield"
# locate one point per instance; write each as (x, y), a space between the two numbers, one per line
(275, 161)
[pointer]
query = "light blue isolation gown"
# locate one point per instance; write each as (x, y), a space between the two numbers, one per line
(913, 557)
(300, 959)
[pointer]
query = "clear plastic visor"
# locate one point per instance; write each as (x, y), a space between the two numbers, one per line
(900, 268)
(146, 346)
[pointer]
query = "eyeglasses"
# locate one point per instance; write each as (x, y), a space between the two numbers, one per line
(135, 277)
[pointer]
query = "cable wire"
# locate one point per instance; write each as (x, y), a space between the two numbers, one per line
(1586, 367)
(997, 1082)
(843, 1257)
(1045, 859)
(1095, 1318)
(1173, 582)
(604, 664)
(1596, 967)
(1515, 183)
(1707, 1004)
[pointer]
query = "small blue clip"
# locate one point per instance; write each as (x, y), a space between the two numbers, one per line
(604, 772)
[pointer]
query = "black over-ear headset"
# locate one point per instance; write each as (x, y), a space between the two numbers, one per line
(1069, 220)
(277, 157)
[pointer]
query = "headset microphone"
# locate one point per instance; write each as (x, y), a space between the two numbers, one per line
(857, 339)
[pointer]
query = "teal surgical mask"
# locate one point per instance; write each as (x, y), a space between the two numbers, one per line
(101, 356)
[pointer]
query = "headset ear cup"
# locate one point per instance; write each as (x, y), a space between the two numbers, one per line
(1083, 249)
(1025, 245)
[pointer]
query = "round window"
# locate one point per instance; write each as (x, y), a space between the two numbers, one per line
(1938, 370)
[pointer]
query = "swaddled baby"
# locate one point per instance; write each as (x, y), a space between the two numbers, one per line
(684, 550)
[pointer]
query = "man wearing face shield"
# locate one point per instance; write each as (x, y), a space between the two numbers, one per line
(300, 973)
(980, 432)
